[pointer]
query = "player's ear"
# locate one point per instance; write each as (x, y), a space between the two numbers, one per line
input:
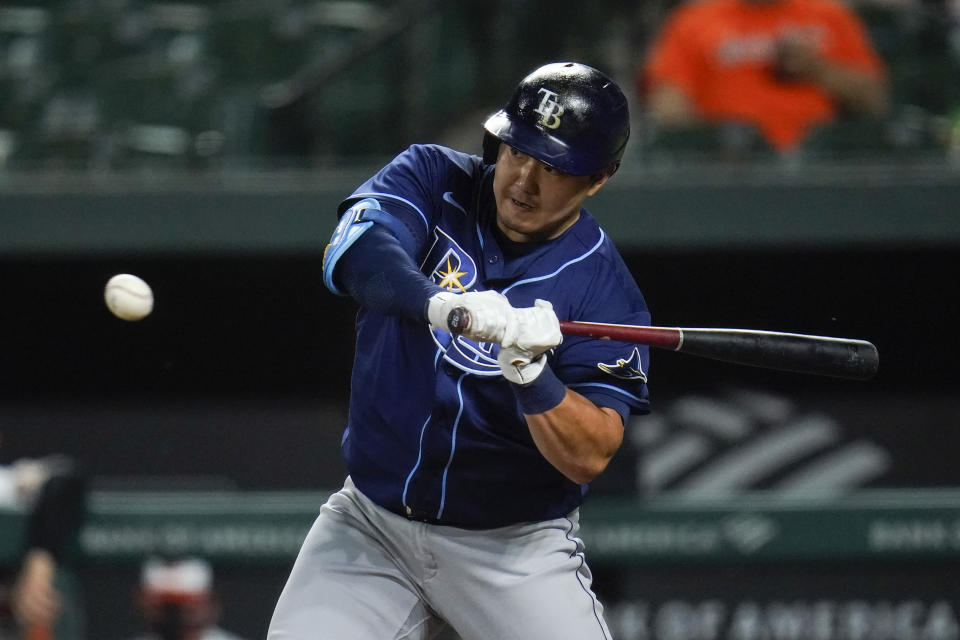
(600, 179)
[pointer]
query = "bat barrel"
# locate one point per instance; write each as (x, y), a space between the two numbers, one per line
(819, 355)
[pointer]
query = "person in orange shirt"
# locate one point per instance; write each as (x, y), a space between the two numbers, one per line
(782, 66)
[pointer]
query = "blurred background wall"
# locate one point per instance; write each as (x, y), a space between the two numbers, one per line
(204, 146)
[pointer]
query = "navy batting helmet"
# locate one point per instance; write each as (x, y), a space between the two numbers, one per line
(567, 115)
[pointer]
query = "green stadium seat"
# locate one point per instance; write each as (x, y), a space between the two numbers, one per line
(26, 73)
(725, 142)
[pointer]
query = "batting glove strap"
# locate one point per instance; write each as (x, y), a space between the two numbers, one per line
(534, 384)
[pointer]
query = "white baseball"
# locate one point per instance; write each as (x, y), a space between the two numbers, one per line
(128, 297)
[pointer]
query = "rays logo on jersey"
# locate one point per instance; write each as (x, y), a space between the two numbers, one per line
(448, 264)
(626, 368)
(453, 269)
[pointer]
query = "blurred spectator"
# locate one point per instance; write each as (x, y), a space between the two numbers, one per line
(177, 600)
(782, 67)
(53, 490)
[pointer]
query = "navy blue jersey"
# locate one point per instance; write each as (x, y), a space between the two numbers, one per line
(434, 430)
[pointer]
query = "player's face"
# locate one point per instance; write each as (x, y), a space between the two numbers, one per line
(536, 202)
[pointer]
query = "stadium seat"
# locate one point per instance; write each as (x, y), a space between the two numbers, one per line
(725, 142)
(26, 74)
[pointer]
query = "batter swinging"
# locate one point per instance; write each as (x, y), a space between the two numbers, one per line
(469, 456)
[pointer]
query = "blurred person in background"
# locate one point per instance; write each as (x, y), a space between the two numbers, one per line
(780, 68)
(53, 491)
(177, 601)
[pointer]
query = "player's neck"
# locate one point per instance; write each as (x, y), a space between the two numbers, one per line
(511, 248)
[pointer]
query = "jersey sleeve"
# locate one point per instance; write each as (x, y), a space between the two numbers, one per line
(397, 198)
(610, 373)
(407, 189)
(383, 231)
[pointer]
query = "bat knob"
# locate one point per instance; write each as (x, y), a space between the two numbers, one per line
(458, 320)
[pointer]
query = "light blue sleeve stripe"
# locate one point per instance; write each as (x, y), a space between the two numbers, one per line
(387, 196)
(609, 387)
(351, 226)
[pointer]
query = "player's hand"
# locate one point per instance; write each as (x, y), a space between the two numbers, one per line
(491, 315)
(517, 367)
(521, 354)
(535, 330)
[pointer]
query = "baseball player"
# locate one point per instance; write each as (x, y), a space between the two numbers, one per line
(469, 455)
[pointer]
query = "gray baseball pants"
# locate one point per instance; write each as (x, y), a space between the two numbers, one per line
(364, 573)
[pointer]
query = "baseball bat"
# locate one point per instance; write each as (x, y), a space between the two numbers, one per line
(794, 352)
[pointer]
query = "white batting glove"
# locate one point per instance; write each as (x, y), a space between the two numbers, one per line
(517, 367)
(438, 309)
(537, 330)
(491, 315)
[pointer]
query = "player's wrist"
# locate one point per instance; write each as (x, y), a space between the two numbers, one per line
(535, 386)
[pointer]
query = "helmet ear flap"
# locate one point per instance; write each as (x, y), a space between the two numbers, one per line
(491, 147)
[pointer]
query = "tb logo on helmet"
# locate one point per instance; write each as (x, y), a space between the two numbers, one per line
(595, 120)
(549, 109)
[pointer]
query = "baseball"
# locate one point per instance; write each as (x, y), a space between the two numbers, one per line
(128, 297)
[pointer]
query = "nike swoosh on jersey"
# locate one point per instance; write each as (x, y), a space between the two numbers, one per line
(448, 198)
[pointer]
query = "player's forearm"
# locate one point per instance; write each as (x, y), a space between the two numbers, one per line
(382, 277)
(577, 437)
(573, 434)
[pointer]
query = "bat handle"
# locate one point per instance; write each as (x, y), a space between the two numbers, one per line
(458, 320)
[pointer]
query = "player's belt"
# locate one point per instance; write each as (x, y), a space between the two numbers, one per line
(410, 513)
(422, 516)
